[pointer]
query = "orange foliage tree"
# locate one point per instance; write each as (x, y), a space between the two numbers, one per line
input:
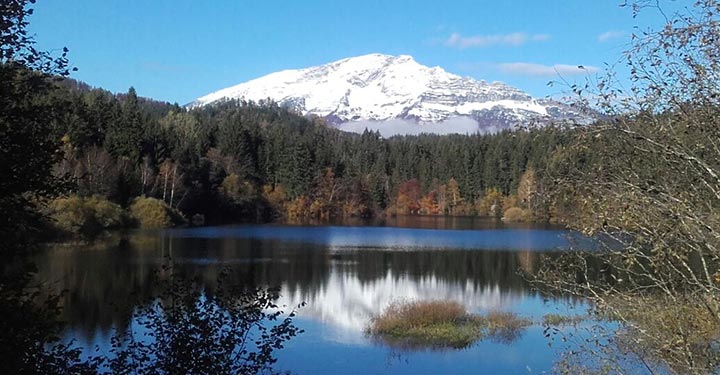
(408, 197)
(429, 204)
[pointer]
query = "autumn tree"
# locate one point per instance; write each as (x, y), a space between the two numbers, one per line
(237, 190)
(453, 194)
(276, 199)
(530, 198)
(647, 182)
(408, 197)
(527, 188)
(326, 192)
(357, 200)
(491, 203)
(430, 203)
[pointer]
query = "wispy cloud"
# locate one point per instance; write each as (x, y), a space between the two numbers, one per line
(512, 39)
(612, 34)
(539, 70)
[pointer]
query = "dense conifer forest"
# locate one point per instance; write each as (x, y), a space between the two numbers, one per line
(239, 161)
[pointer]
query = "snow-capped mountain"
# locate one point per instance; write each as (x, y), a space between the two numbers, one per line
(382, 92)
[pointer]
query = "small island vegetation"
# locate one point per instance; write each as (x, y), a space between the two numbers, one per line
(442, 324)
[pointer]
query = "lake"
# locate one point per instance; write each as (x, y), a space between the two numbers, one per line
(345, 274)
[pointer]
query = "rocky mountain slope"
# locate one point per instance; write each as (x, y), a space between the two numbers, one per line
(377, 90)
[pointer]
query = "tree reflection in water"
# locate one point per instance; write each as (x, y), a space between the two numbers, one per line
(185, 329)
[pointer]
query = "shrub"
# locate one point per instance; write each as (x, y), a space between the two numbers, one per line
(418, 324)
(86, 216)
(441, 324)
(561, 320)
(516, 214)
(401, 316)
(154, 213)
(504, 327)
(106, 213)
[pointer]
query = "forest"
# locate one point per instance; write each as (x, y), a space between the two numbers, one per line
(257, 162)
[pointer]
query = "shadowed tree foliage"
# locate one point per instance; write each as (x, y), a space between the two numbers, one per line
(187, 330)
(26, 147)
(229, 332)
(28, 342)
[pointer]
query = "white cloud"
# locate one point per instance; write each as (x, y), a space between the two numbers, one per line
(512, 39)
(539, 70)
(604, 37)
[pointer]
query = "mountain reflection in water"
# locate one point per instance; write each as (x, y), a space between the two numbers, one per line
(344, 274)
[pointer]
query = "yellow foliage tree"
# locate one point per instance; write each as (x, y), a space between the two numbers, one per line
(275, 197)
(298, 207)
(454, 198)
(491, 204)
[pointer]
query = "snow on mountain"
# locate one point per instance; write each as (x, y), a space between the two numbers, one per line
(395, 94)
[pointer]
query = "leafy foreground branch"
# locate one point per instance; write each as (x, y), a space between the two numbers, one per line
(442, 324)
(186, 330)
(649, 179)
(183, 329)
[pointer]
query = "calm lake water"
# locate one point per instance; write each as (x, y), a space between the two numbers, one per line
(345, 274)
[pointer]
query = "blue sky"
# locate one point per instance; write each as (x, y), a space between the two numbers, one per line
(178, 50)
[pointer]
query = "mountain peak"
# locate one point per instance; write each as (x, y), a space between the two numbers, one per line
(379, 57)
(378, 87)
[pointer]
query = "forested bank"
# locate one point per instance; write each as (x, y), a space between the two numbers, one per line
(121, 159)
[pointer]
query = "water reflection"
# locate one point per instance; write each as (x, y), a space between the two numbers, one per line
(341, 238)
(349, 303)
(345, 274)
(426, 222)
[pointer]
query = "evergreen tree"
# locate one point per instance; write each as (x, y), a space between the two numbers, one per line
(124, 136)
